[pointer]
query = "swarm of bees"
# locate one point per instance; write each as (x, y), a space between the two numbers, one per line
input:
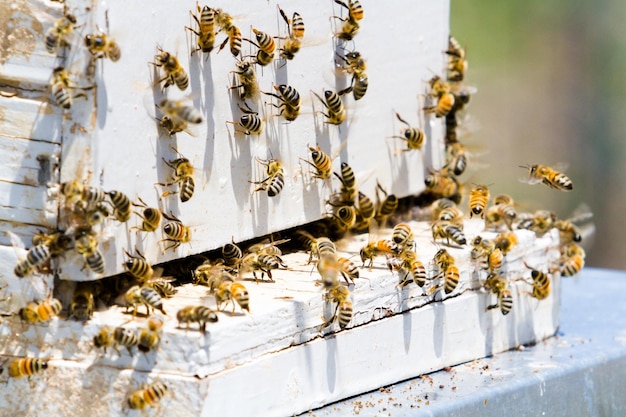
(86, 210)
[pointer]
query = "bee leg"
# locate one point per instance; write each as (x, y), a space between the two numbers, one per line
(491, 307)
(203, 327)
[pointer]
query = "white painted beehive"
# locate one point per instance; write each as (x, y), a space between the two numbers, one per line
(275, 360)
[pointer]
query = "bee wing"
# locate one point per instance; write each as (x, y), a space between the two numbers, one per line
(16, 242)
(527, 179)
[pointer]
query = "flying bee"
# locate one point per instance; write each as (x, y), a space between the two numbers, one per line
(348, 269)
(223, 20)
(295, 32)
(445, 102)
(173, 126)
(248, 85)
(145, 295)
(402, 234)
(505, 241)
(334, 106)
(457, 157)
(339, 295)
(148, 396)
(289, 101)
(138, 267)
(319, 247)
(103, 46)
(500, 287)
(266, 45)
(549, 176)
(453, 215)
(261, 262)
(83, 303)
(183, 176)
(104, 338)
(249, 121)
(479, 196)
(442, 184)
(415, 138)
(121, 205)
(572, 259)
(57, 36)
(275, 179)
(87, 246)
(457, 62)
(19, 368)
(541, 283)
(174, 72)
(268, 247)
(385, 207)
(233, 292)
(43, 311)
(150, 337)
(151, 217)
(59, 85)
(366, 210)
(206, 29)
(178, 113)
(344, 216)
(196, 314)
(177, 233)
(234, 40)
(321, 162)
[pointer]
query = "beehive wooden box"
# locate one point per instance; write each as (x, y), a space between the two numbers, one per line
(273, 361)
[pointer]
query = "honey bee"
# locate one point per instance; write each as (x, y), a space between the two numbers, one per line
(457, 158)
(320, 247)
(138, 267)
(541, 283)
(250, 121)
(449, 232)
(386, 207)
(174, 72)
(248, 86)
(72, 192)
(438, 206)
(151, 217)
(457, 63)
(549, 176)
(440, 90)
(500, 287)
(179, 114)
(196, 314)
(275, 179)
(540, 222)
(502, 212)
(505, 241)
(442, 184)
(348, 191)
(87, 246)
(150, 337)
(233, 292)
(348, 269)
(43, 311)
(145, 295)
(443, 259)
(378, 247)
(105, 338)
(295, 32)
(568, 231)
(481, 247)
(340, 295)
(366, 210)
(572, 259)
(57, 36)
(59, 85)
(121, 205)
(183, 176)
(231, 254)
(360, 81)
(19, 368)
(289, 101)
(453, 215)
(334, 106)
(414, 137)
(268, 247)
(148, 396)
(344, 216)
(162, 285)
(351, 25)
(261, 262)
(266, 45)
(206, 29)
(83, 303)
(234, 39)
(410, 269)
(177, 233)
(479, 196)
(447, 270)
(402, 235)
(223, 20)
(321, 162)
(92, 196)
(103, 46)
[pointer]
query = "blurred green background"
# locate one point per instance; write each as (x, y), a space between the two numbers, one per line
(551, 79)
